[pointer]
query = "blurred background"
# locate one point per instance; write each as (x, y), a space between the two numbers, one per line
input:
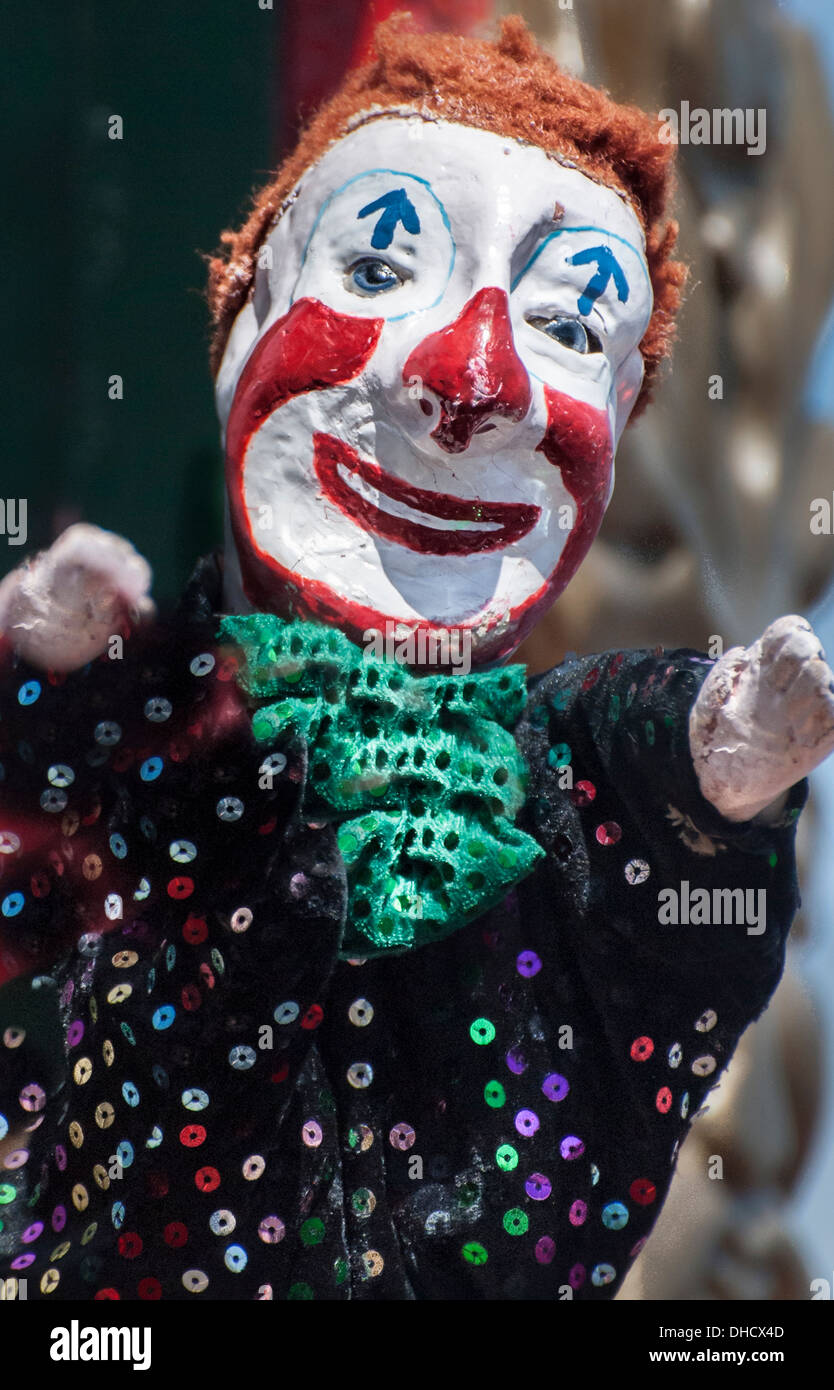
(708, 534)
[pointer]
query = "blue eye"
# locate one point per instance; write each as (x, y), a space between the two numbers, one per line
(571, 333)
(371, 276)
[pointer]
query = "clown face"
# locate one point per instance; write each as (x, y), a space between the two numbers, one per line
(423, 396)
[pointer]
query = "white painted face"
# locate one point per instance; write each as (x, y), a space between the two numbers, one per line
(422, 398)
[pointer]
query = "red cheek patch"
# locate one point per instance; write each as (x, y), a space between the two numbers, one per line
(578, 442)
(310, 348)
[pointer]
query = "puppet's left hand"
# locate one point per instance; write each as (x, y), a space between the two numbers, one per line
(764, 719)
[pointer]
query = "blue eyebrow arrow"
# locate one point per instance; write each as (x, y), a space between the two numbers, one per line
(608, 267)
(395, 207)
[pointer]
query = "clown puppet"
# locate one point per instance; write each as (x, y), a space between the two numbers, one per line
(376, 952)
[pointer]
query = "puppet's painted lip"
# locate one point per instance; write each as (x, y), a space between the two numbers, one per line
(506, 521)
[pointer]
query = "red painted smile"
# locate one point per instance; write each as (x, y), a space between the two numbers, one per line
(481, 526)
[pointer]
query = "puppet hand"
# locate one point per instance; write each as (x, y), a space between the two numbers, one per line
(60, 608)
(764, 719)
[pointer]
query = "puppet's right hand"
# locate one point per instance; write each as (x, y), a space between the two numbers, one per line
(60, 609)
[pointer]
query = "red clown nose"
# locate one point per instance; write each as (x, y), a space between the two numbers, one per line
(472, 367)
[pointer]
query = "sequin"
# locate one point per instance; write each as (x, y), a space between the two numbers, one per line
(360, 1075)
(29, 692)
(609, 833)
(495, 1095)
(360, 1013)
(527, 1122)
(361, 1137)
(182, 851)
(192, 1136)
(674, 1055)
(636, 871)
(707, 1021)
(32, 1098)
(242, 1057)
(363, 1202)
(571, 1147)
(273, 765)
(663, 1100)
(107, 733)
(157, 710)
(704, 1066)
(271, 1230)
(643, 1192)
(614, 1216)
(516, 1222)
(555, 1087)
(312, 1134)
(538, 1187)
(60, 775)
(583, 793)
(207, 1178)
(528, 964)
(603, 1274)
(482, 1031)
(545, 1250)
(202, 665)
(642, 1049)
(236, 1259)
(402, 1137)
(312, 1231)
(287, 1012)
(578, 1212)
(506, 1158)
(222, 1222)
(474, 1253)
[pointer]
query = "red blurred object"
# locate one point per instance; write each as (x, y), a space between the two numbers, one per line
(317, 43)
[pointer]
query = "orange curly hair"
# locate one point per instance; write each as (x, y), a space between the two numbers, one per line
(510, 87)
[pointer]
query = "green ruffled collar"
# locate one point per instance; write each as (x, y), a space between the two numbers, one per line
(422, 775)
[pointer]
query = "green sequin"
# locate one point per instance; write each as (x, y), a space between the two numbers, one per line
(296, 1291)
(559, 755)
(482, 1031)
(506, 1158)
(312, 1231)
(516, 1222)
(494, 1094)
(431, 757)
(474, 1253)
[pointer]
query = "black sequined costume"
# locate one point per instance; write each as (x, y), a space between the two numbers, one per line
(202, 1099)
